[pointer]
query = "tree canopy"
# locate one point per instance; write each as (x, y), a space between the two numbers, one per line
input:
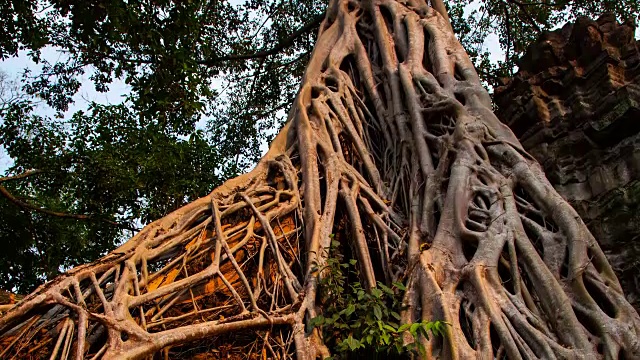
(210, 82)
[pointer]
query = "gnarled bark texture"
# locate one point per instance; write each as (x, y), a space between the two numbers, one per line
(574, 105)
(392, 146)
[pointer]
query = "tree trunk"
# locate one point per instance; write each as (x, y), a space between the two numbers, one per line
(391, 145)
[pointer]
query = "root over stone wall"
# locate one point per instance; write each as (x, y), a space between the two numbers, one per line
(575, 106)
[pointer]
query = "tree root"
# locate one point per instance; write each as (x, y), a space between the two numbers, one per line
(392, 144)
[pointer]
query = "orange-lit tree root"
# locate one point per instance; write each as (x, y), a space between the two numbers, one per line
(392, 146)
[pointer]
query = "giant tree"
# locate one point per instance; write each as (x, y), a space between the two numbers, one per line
(169, 53)
(392, 150)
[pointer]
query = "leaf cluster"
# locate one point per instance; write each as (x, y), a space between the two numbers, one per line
(357, 320)
(105, 164)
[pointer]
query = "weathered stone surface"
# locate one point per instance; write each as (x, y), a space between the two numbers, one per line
(574, 104)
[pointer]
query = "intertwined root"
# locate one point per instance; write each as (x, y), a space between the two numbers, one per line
(391, 144)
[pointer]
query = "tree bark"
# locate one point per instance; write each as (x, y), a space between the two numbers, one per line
(391, 145)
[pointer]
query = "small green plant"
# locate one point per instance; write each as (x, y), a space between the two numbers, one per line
(355, 319)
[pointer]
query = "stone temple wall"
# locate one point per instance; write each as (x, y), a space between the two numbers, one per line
(575, 106)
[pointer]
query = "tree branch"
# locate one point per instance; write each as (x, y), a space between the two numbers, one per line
(526, 13)
(27, 206)
(508, 52)
(314, 23)
(20, 176)
(215, 60)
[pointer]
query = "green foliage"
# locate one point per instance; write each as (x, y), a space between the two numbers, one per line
(105, 163)
(356, 320)
(37, 247)
(170, 53)
(20, 28)
(173, 139)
